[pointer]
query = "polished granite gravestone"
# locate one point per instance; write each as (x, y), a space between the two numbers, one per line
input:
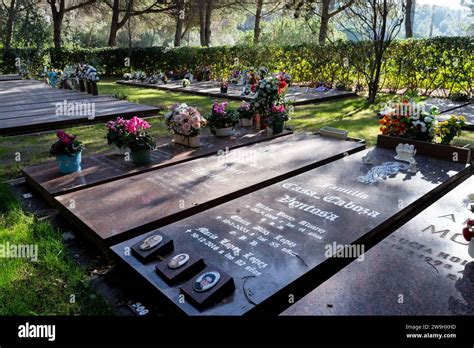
(423, 268)
(444, 105)
(31, 106)
(9, 77)
(105, 167)
(298, 95)
(120, 209)
(274, 242)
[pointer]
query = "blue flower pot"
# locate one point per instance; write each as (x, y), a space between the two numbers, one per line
(69, 164)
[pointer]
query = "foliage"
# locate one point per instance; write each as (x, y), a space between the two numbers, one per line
(67, 144)
(446, 64)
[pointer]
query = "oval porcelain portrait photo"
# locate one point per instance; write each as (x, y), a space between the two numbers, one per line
(151, 242)
(206, 281)
(178, 261)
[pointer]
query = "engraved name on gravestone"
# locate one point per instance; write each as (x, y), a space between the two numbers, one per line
(423, 268)
(281, 238)
(153, 199)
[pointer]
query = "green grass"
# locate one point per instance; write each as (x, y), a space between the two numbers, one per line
(44, 287)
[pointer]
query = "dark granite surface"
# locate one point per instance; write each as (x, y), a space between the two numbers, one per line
(423, 268)
(274, 241)
(122, 208)
(444, 104)
(30, 106)
(466, 111)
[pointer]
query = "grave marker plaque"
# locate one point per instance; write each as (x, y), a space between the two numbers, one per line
(123, 208)
(277, 242)
(423, 268)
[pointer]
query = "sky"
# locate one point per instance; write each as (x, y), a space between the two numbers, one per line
(453, 4)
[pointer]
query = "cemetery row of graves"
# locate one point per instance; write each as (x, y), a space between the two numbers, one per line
(235, 213)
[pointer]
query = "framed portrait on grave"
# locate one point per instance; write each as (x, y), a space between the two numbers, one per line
(208, 287)
(152, 245)
(180, 266)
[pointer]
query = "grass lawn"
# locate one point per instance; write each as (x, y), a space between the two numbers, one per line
(45, 286)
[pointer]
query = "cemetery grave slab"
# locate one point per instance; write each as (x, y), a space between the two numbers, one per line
(444, 105)
(105, 167)
(31, 106)
(276, 242)
(120, 209)
(299, 95)
(9, 77)
(466, 111)
(423, 268)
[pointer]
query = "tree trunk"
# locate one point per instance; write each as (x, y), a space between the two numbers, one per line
(57, 24)
(202, 23)
(209, 9)
(323, 29)
(258, 18)
(409, 16)
(179, 23)
(114, 27)
(432, 20)
(10, 22)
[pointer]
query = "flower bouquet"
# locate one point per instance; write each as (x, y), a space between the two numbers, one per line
(185, 122)
(450, 128)
(222, 121)
(116, 133)
(270, 91)
(67, 150)
(277, 116)
(408, 122)
(139, 75)
(138, 140)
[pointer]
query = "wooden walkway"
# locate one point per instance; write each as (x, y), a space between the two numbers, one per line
(28, 106)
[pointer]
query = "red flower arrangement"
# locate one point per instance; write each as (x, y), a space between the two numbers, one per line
(394, 125)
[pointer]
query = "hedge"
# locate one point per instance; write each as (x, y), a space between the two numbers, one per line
(444, 63)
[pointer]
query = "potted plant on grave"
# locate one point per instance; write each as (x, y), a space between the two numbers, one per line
(116, 134)
(185, 122)
(407, 122)
(67, 150)
(92, 78)
(447, 130)
(222, 121)
(277, 116)
(139, 75)
(186, 82)
(224, 86)
(138, 140)
(246, 114)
